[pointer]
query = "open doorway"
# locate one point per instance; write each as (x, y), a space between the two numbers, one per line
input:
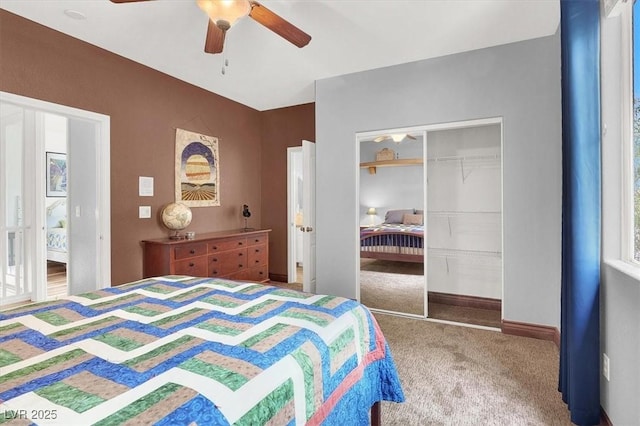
(54, 176)
(56, 210)
(295, 216)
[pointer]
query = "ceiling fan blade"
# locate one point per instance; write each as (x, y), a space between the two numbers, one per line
(410, 137)
(278, 25)
(127, 1)
(215, 38)
(381, 138)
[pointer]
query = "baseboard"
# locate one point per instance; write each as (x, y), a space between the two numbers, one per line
(536, 331)
(281, 278)
(466, 301)
(604, 418)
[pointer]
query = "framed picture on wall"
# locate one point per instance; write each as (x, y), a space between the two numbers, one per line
(56, 163)
(197, 169)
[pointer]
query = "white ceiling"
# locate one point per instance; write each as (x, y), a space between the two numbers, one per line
(265, 71)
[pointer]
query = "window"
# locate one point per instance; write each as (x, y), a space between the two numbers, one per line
(632, 174)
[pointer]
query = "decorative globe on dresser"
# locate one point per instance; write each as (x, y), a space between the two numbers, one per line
(176, 217)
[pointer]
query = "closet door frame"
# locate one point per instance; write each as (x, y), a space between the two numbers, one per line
(425, 129)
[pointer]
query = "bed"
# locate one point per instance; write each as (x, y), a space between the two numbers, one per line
(57, 231)
(183, 350)
(399, 238)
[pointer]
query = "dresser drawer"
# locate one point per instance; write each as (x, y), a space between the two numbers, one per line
(190, 250)
(259, 273)
(224, 245)
(195, 267)
(257, 255)
(257, 239)
(228, 262)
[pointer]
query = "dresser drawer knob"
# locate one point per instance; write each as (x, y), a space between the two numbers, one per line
(257, 261)
(215, 272)
(257, 240)
(239, 243)
(239, 254)
(191, 265)
(240, 265)
(261, 273)
(215, 247)
(257, 250)
(192, 251)
(215, 259)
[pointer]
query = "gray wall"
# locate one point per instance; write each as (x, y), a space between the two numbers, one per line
(519, 82)
(619, 292)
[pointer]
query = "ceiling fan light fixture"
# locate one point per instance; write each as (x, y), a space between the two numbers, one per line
(397, 138)
(223, 12)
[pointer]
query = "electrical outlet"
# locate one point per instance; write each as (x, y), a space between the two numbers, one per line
(605, 366)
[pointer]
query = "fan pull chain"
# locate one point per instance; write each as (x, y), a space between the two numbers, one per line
(225, 63)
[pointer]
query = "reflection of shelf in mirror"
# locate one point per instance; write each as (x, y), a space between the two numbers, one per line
(372, 165)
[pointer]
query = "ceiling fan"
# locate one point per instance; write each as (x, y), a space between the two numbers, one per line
(396, 137)
(224, 13)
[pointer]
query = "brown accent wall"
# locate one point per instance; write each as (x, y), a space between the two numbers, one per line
(145, 107)
(281, 128)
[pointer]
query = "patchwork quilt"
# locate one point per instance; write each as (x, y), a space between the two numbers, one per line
(181, 350)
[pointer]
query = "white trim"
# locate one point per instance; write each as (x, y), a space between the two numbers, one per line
(368, 135)
(626, 171)
(434, 320)
(626, 268)
(103, 272)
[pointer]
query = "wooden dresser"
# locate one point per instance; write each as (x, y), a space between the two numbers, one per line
(237, 255)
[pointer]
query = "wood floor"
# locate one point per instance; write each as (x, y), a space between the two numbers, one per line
(56, 280)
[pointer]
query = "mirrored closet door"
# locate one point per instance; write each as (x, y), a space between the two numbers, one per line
(430, 221)
(391, 221)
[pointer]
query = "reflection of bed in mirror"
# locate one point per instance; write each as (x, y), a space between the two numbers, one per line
(399, 238)
(57, 231)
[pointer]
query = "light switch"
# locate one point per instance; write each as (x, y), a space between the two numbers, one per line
(144, 212)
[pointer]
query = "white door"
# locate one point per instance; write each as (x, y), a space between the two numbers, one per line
(309, 216)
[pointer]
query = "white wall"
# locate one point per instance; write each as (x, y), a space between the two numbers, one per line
(519, 82)
(464, 204)
(619, 292)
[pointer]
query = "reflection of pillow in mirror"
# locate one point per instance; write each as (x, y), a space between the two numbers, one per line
(62, 223)
(412, 219)
(419, 211)
(396, 216)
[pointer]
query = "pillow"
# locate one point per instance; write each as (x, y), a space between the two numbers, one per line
(419, 211)
(412, 219)
(396, 216)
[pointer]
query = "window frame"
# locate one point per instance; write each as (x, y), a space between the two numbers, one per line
(627, 170)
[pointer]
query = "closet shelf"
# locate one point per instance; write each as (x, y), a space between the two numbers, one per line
(446, 252)
(372, 165)
(466, 158)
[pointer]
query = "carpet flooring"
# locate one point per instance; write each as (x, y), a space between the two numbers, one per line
(454, 375)
(399, 287)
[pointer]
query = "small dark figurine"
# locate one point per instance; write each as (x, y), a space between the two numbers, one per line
(247, 214)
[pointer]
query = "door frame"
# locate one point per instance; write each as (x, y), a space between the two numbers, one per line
(102, 170)
(425, 129)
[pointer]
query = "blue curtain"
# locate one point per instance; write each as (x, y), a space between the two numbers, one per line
(580, 344)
